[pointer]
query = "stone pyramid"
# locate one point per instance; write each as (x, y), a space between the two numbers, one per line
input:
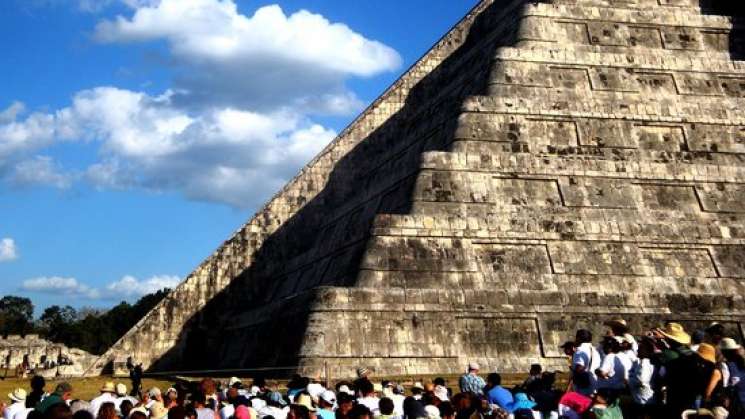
(545, 166)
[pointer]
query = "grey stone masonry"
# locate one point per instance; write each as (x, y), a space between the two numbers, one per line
(545, 166)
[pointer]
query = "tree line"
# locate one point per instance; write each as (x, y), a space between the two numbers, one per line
(92, 330)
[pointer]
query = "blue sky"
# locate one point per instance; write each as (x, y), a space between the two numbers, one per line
(137, 135)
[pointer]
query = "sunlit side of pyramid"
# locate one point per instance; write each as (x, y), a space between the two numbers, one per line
(546, 166)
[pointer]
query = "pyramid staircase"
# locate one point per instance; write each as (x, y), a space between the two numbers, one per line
(545, 167)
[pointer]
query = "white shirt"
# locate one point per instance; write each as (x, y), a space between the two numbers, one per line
(587, 356)
(100, 400)
(23, 413)
(640, 381)
(14, 409)
(227, 411)
(627, 362)
(372, 403)
(613, 368)
(398, 404)
(737, 380)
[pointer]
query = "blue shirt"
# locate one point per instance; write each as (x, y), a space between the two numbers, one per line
(472, 383)
(325, 414)
(501, 397)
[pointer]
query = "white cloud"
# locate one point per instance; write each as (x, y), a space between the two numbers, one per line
(8, 250)
(221, 155)
(266, 60)
(41, 170)
(11, 112)
(237, 122)
(127, 288)
(60, 286)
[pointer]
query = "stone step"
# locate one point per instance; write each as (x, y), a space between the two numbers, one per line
(723, 111)
(615, 30)
(458, 252)
(691, 6)
(524, 78)
(660, 61)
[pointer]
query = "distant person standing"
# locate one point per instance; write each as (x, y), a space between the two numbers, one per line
(470, 382)
(135, 375)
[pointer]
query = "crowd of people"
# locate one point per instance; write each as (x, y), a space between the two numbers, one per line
(664, 373)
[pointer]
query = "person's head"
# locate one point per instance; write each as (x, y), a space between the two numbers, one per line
(365, 387)
(473, 367)
(439, 381)
(568, 348)
(417, 389)
(646, 347)
(199, 399)
(583, 336)
(208, 386)
(494, 379)
(548, 379)
(386, 406)
(715, 333)
(64, 390)
(536, 369)
(141, 415)
(155, 394)
(298, 412)
(191, 412)
(260, 382)
(446, 410)
(232, 394)
(38, 383)
(611, 345)
(345, 403)
(327, 399)
(86, 414)
(177, 412)
(462, 401)
(58, 411)
(125, 407)
(360, 411)
(107, 411)
(413, 409)
(604, 396)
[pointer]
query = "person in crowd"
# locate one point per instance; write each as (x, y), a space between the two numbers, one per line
(125, 407)
(543, 393)
(326, 405)
(386, 408)
(122, 395)
(447, 411)
(276, 406)
(470, 382)
(367, 397)
(413, 409)
(108, 395)
(360, 412)
(612, 373)
(605, 405)
(714, 334)
(171, 398)
(733, 354)
(58, 411)
(62, 393)
(417, 390)
(345, 403)
(17, 408)
(640, 380)
(107, 410)
(86, 414)
(37, 391)
(497, 395)
(199, 401)
(620, 329)
(711, 375)
(135, 376)
(585, 361)
(536, 370)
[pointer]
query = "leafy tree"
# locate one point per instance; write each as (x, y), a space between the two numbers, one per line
(16, 315)
(95, 330)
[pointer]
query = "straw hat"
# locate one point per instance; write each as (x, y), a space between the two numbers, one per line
(18, 395)
(707, 352)
(304, 400)
(676, 332)
(121, 389)
(620, 323)
(729, 344)
(109, 387)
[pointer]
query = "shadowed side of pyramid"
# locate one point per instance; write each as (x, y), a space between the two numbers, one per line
(545, 166)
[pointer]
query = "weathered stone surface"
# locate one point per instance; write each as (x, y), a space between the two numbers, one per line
(45, 358)
(545, 166)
